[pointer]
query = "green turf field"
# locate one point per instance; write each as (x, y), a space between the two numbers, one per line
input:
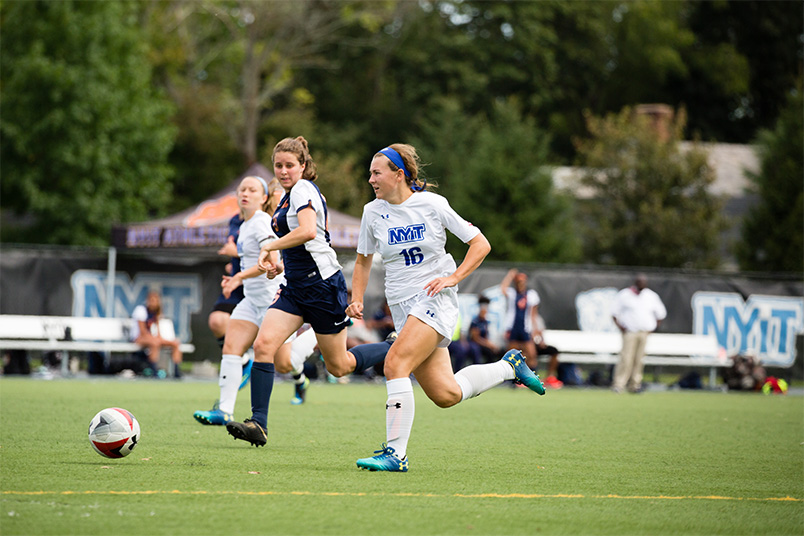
(509, 462)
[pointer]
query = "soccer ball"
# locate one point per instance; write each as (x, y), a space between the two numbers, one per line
(114, 432)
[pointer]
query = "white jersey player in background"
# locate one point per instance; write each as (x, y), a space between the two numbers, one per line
(252, 195)
(407, 226)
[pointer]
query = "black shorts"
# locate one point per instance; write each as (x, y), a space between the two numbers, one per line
(322, 305)
(547, 350)
(224, 306)
(227, 305)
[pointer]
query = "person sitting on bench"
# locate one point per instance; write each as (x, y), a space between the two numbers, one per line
(145, 332)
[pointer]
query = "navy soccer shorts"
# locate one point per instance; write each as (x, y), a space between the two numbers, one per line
(322, 304)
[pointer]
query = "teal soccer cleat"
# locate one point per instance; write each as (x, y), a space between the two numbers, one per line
(301, 392)
(215, 416)
(385, 460)
(246, 373)
(522, 372)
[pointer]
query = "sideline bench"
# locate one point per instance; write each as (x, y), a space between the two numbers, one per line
(662, 349)
(74, 334)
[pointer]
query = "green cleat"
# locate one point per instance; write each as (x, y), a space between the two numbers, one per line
(522, 372)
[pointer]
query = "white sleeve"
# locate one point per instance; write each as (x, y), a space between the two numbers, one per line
(659, 308)
(263, 231)
(455, 223)
(303, 195)
(366, 243)
(533, 297)
(140, 314)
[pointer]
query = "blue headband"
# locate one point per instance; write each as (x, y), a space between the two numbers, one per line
(395, 157)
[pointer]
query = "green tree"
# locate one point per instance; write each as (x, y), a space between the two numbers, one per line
(746, 57)
(84, 136)
(773, 231)
(493, 171)
(650, 204)
(240, 73)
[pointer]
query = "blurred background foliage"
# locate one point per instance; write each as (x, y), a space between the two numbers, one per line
(120, 111)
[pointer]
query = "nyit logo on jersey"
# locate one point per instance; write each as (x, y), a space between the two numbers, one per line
(765, 325)
(402, 235)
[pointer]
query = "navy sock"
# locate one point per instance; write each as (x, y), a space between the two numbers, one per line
(368, 355)
(262, 383)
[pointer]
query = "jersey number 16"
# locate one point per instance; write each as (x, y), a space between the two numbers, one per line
(412, 256)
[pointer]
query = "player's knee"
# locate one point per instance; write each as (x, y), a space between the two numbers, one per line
(444, 399)
(395, 367)
(264, 350)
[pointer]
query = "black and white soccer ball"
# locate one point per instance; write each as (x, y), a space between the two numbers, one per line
(114, 432)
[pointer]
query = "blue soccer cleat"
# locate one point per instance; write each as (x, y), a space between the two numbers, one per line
(522, 371)
(246, 373)
(385, 460)
(215, 416)
(301, 392)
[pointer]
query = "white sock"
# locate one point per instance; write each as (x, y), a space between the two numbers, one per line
(300, 349)
(476, 379)
(399, 412)
(229, 381)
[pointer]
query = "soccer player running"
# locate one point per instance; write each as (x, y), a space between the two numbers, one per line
(314, 292)
(407, 226)
(253, 194)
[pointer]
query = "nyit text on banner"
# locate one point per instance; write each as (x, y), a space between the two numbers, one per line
(758, 314)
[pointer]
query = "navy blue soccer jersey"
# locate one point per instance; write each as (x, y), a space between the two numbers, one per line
(314, 260)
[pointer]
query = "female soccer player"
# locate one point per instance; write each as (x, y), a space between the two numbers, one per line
(314, 292)
(253, 194)
(407, 226)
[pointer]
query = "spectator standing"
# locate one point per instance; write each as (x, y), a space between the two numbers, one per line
(145, 332)
(522, 321)
(637, 311)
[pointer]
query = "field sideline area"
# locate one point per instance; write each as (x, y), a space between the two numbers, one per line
(577, 461)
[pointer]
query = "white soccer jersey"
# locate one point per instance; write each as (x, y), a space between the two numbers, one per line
(410, 238)
(254, 233)
(316, 255)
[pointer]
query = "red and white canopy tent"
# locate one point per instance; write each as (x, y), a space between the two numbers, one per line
(205, 226)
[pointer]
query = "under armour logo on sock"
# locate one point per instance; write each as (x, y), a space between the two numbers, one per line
(398, 405)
